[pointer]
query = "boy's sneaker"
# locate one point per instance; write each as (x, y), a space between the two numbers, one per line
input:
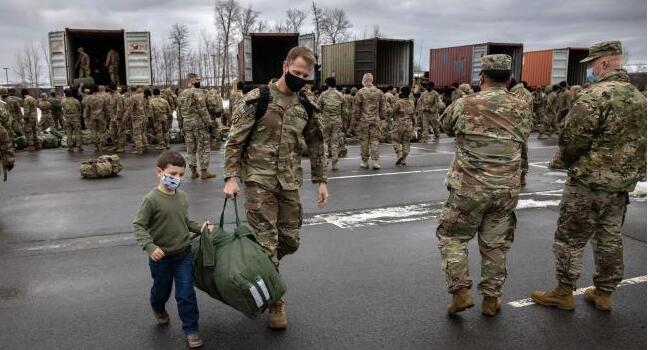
(162, 317)
(194, 341)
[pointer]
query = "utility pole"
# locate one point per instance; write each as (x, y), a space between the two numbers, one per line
(213, 56)
(6, 75)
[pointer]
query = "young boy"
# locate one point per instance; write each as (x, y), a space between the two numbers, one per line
(162, 228)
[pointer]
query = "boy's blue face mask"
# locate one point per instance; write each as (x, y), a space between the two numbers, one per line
(590, 75)
(170, 182)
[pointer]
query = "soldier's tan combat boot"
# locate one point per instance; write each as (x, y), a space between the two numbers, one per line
(364, 164)
(194, 172)
(205, 174)
(460, 301)
(277, 318)
(334, 165)
(375, 165)
(601, 300)
(562, 297)
(490, 306)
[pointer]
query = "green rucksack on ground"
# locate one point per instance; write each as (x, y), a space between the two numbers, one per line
(235, 269)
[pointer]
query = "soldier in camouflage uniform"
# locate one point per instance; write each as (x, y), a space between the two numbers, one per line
(135, 112)
(94, 114)
(562, 104)
(194, 121)
(404, 121)
(456, 92)
(71, 113)
(427, 111)
(538, 109)
(332, 110)
(55, 102)
(45, 107)
(266, 154)
(112, 63)
(551, 111)
(14, 104)
(161, 111)
(7, 157)
(369, 109)
(235, 96)
(603, 146)
(9, 120)
(83, 63)
(30, 123)
(491, 128)
(116, 127)
(346, 122)
(215, 109)
(172, 100)
(520, 90)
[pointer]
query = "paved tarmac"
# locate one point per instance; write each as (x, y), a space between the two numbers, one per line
(367, 276)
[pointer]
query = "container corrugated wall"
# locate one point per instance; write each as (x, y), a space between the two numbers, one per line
(394, 62)
(339, 61)
(451, 64)
(536, 68)
(365, 58)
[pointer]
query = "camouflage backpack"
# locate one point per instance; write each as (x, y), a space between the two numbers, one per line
(104, 166)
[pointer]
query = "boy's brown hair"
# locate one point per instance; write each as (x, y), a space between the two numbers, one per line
(171, 158)
(303, 52)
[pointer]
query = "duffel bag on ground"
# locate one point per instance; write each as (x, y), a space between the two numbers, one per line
(104, 166)
(20, 142)
(235, 269)
(50, 141)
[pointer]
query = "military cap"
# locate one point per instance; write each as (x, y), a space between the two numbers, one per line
(193, 76)
(605, 48)
(496, 62)
(4, 92)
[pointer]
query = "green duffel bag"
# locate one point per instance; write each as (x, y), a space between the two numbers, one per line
(50, 141)
(20, 142)
(59, 135)
(235, 269)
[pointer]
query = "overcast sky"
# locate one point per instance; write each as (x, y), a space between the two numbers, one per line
(538, 24)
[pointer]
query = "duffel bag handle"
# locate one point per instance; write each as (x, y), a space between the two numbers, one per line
(207, 246)
(222, 216)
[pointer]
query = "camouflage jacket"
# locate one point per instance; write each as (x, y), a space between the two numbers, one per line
(491, 128)
(29, 106)
(71, 108)
(538, 100)
(346, 119)
(368, 106)
(192, 110)
(603, 143)
(160, 107)
(234, 98)
(551, 105)
(135, 107)
(523, 94)
(428, 102)
(5, 117)
(6, 141)
(456, 94)
(14, 106)
(332, 107)
(56, 106)
(117, 106)
(46, 108)
(214, 102)
(269, 151)
(404, 112)
(563, 100)
(170, 97)
(95, 108)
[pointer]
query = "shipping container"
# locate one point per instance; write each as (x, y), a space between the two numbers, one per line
(261, 55)
(462, 64)
(134, 50)
(549, 67)
(391, 61)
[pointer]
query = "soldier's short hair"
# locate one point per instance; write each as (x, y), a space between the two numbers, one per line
(330, 81)
(67, 92)
(303, 52)
(24, 92)
(498, 76)
(431, 84)
(525, 84)
(156, 91)
(171, 158)
(53, 93)
(563, 84)
(132, 88)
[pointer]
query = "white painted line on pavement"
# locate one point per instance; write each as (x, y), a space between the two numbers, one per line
(627, 282)
(385, 174)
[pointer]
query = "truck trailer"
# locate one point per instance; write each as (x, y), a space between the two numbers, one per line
(261, 55)
(462, 64)
(134, 50)
(550, 67)
(391, 61)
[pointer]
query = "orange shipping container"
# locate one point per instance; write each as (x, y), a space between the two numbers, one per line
(548, 67)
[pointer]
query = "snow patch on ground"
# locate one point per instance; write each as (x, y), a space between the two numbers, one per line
(640, 190)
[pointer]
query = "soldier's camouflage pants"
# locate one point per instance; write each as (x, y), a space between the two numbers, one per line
(30, 128)
(98, 131)
(369, 136)
(491, 215)
(46, 121)
(342, 149)
(117, 133)
(331, 140)
(588, 214)
(113, 71)
(197, 141)
(429, 119)
(400, 137)
(276, 217)
(162, 132)
(215, 130)
(139, 132)
(73, 132)
(84, 72)
(525, 158)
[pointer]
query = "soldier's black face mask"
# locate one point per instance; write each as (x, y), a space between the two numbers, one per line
(196, 84)
(294, 82)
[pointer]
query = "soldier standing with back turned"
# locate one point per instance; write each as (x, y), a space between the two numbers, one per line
(491, 128)
(332, 111)
(603, 146)
(369, 108)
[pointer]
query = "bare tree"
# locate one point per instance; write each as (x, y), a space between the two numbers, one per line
(45, 52)
(280, 27)
(295, 20)
(179, 37)
(376, 31)
(335, 25)
(28, 64)
(168, 63)
(226, 13)
(318, 19)
(247, 19)
(261, 26)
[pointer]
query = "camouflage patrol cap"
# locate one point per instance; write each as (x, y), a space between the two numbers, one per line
(496, 62)
(192, 76)
(4, 92)
(605, 48)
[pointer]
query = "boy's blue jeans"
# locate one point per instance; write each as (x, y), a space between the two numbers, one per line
(176, 268)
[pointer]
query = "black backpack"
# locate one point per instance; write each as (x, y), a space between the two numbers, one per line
(263, 100)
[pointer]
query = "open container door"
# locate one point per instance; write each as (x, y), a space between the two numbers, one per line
(247, 58)
(58, 59)
(308, 40)
(137, 46)
(478, 52)
(559, 65)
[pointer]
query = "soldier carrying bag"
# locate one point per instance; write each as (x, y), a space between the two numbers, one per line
(235, 269)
